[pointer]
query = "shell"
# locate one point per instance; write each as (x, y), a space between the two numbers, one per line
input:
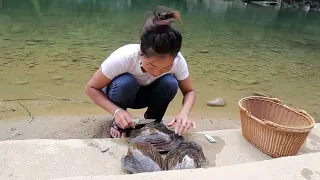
(142, 157)
(188, 155)
(157, 134)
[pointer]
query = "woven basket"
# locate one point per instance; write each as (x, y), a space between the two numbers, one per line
(274, 128)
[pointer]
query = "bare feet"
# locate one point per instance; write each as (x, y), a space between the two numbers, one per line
(116, 134)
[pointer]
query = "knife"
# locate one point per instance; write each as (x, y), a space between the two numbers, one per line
(137, 123)
(143, 121)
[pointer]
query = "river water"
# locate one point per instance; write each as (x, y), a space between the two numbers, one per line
(53, 47)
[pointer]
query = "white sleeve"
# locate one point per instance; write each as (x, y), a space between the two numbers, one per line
(181, 70)
(117, 63)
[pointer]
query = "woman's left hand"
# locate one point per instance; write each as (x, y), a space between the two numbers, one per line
(182, 123)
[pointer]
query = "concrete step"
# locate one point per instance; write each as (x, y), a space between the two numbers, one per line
(302, 167)
(49, 158)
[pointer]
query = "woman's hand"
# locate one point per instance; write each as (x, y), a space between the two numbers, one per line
(124, 119)
(182, 123)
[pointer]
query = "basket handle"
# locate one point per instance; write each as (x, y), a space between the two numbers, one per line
(277, 100)
(303, 112)
(270, 123)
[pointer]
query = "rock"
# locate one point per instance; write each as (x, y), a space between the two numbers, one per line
(103, 148)
(204, 51)
(251, 81)
(56, 77)
(31, 65)
(52, 71)
(64, 64)
(218, 102)
(30, 43)
(22, 82)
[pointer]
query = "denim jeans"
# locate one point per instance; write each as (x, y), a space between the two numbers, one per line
(125, 92)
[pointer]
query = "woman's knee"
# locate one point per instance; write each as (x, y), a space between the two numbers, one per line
(168, 85)
(122, 88)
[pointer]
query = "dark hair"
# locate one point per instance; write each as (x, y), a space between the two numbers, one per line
(158, 37)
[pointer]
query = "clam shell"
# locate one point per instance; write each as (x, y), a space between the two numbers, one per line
(157, 134)
(188, 155)
(142, 157)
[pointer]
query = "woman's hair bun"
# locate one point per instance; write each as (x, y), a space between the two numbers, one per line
(163, 18)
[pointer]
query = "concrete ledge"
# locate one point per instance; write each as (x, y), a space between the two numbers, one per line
(286, 168)
(48, 158)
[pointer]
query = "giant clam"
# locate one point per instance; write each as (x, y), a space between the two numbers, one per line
(158, 135)
(142, 157)
(187, 155)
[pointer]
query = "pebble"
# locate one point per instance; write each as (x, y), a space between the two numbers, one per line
(251, 81)
(52, 71)
(218, 102)
(30, 43)
(64, 64)
(204, 51)
(103, 148)
(22, 82)
(56, 77)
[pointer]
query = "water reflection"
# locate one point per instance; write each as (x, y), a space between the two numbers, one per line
(236, 11)
(232, 48)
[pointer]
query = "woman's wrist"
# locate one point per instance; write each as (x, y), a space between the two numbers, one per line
(116, 111)
(188, 102)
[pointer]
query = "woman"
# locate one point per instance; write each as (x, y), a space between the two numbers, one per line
(145, 75)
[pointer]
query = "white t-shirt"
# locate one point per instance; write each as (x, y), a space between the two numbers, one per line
(126, 60)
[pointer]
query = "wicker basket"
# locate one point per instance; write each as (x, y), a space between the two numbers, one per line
(274, 128)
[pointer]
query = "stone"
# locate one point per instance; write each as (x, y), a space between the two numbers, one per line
(217, 102)
(204, 51)
(64, 64)
(251, 81)
(52, 71)
(22, 82)
(30, 43)
(56, 77)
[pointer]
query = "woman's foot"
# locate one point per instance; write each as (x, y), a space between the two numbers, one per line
(117, 134)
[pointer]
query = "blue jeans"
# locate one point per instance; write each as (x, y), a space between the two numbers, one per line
(125, 92)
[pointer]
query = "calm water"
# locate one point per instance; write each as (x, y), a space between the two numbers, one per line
(53, 47)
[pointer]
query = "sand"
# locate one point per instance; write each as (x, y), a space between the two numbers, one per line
(84, 127)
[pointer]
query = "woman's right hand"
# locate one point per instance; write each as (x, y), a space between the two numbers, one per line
(124, 119)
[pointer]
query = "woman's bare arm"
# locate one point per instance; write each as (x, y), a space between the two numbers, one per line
(93, 89)
(189, 96)
(181, 119)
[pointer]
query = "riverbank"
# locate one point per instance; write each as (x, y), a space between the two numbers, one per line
(86, 126)
(305, 5)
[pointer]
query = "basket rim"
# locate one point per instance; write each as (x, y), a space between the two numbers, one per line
(279, 102)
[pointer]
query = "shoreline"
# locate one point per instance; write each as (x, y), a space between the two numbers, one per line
(86, 127)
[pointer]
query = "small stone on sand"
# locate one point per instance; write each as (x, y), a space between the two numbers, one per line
(22, 82)
(218, 102)
(56, 77)
(64, 64)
